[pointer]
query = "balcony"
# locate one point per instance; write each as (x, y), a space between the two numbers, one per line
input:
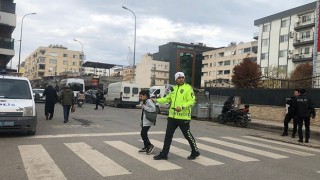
(302, 57)
(303, 25)
(303, 41)
(8, 7)
(6, 43)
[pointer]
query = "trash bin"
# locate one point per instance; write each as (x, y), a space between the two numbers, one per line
(215, 110)
(200, 111)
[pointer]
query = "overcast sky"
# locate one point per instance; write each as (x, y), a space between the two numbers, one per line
(107, 31)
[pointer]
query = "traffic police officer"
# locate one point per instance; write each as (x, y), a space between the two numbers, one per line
(304, 109)
(291, 115)
(182, 99)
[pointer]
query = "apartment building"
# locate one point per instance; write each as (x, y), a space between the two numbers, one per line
(286, 39)
(150, 72)
(218, 64)
(7, 26)
(51, 61)
(97, 71)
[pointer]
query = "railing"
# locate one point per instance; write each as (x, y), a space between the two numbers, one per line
(300, 24)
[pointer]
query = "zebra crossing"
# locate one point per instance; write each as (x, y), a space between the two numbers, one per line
(38, 163)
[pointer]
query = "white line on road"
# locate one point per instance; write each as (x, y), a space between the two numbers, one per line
(318, 172)
(38, 163)
(132, 151)
(269, 146)
(221, 152)
(244, 148)
(284, 144)
(99, 162)
(183, 153)
(91, 135)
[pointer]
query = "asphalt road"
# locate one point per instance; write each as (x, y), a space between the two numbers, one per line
(103, 144)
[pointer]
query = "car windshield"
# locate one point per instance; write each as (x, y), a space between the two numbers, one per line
(14, 89)
(76, 86)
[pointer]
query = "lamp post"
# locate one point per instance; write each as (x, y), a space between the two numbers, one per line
(82, 56)
(134, 45)
(21, 38)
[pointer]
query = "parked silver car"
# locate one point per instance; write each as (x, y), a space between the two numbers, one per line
(38, 95)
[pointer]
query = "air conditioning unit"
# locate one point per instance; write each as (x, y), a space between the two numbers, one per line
(290, 51)
(289, 56)
(291, 34)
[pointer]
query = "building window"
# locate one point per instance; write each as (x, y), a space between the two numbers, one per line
(42, 66)
(266, 28)
(305, 34)
(306, 18)
(264, 56)
(210, 65)
(220, 63)
(220, 72)
(247, 50)
(53, 61)
(75, 56)
(226, 71)
(226, 63)
(65, 55)
(285, 23)
(265, 42)
(283, 53)
(42, 59)
(53, 54)
(284, 38)
(65, 62)
(75, 63)
(307, 50)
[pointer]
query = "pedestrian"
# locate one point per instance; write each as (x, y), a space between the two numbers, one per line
(51, 99)
(149, 106)
(67, 99)
(291, 115)
(181, 99)
(304, 110)
(99, 97)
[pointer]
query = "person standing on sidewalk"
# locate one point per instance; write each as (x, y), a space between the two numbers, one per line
(51, 100)
(182, 99)
(147, 105)
(304, 109)
(99, 97)
(67, 99)
(291, 115)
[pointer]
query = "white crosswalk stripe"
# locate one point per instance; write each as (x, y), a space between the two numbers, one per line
(269, 146)
(222, 152)
(38, 163)
(244, 148)
(99, 162)
(183, 153)
(147, 159)
(284, 144)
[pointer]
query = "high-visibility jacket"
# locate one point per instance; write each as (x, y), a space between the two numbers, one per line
(182, 96)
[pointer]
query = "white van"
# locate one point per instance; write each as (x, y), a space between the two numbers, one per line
(17, 106)
(122, 94)
(76, 84)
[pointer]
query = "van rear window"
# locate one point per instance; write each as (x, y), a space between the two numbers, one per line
(14, 89)
(135, 90)
(126, 90)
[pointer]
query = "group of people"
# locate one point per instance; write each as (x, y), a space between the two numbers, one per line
(67, 100)
(300, 109)
(182, 99)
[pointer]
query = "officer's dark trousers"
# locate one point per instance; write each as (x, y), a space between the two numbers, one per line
(306, 121)
(171, 127)
(286, 121)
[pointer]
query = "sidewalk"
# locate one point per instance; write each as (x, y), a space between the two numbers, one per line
(278, 126)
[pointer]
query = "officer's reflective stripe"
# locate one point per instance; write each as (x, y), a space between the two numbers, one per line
(192, 140)
(284, 144)
(38, 163)
(99, 162)
(183, 153)
(244, 148)
(221, 152)
(148, 160)
(269, 146)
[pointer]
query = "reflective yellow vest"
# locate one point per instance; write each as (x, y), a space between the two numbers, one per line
(182, 96)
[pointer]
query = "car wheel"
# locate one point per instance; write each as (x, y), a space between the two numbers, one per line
(31, 133)
(116, 104)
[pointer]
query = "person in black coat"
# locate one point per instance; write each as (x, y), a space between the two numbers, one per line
(99, 97)
(291, 115)
(304, 110)
(51, 99)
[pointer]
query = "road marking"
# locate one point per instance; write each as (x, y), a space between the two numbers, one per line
(38, 163)
(77, 126)
(183, 153)
(318, 172)
(244, 148)
(284, 144)
(91, 135)
(221, 152)
(161, 165)
(270, 146)
(99, 162)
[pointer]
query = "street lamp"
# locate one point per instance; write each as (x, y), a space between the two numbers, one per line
(21, 38)
(82, 56)
(134, 45)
